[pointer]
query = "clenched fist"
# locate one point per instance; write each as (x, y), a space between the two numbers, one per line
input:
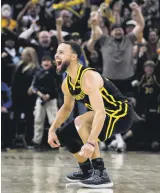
(134, 6)
(59, 21)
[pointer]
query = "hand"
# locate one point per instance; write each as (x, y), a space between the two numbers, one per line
(4, 54)
(45, 97)
(34, 27)
(117, 7)
(87, 150)
(59, 21)
(4, 109)
(30, 91)
(94, 18)
(134, 6)
(53, 139)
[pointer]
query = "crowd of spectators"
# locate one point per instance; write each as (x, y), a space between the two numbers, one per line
(120, 39)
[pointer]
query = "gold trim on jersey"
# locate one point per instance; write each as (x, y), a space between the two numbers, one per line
(69, 78)
(108, 134)
(113, 114)
(112, 118)
(82, 76)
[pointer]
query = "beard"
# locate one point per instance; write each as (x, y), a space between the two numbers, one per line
(63, 68)
(45, 44)
(118, 37)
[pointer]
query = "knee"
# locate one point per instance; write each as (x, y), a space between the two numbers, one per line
(80, 123)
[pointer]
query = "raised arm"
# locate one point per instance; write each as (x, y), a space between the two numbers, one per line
(96, 31)
(138, 17)
(91, 78)
(24, 10)
(26, 34)
(59, 22)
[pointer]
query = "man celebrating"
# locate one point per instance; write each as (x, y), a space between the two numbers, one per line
(110, 113)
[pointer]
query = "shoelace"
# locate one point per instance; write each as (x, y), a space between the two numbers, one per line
(79, 171)
(95, 175)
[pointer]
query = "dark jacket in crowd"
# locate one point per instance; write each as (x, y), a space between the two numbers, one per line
(21, 84)
(45, 82)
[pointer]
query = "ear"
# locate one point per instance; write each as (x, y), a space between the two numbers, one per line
(74, 56)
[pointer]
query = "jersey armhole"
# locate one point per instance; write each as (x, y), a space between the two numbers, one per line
(82, 77)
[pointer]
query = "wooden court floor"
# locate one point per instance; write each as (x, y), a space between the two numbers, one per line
(44, 172)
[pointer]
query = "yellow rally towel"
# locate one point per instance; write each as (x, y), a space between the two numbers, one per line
(67, 4)
(106, 11)
(8, 23)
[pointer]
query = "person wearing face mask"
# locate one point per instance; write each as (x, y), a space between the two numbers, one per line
(7, 21)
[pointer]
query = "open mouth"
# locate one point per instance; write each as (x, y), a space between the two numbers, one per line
(58, 62)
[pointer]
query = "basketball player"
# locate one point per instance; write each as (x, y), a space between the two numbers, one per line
(109, 113)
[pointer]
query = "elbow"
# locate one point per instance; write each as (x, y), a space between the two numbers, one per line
(90, 45)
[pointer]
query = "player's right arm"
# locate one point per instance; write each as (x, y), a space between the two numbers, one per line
(62, 115)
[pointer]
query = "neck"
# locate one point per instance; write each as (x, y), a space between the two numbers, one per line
(73, 70)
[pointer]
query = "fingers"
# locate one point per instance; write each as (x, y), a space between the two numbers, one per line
(53, 141)
(57, 141)
(53, 144)
(86, 152)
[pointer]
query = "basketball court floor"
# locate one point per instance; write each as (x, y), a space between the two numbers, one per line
(44, 172)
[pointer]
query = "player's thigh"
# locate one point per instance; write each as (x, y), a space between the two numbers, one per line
(85, 120)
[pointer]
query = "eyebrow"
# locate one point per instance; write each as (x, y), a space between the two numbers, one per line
(59, 50)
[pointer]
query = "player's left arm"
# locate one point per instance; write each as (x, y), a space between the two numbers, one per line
(91, 84)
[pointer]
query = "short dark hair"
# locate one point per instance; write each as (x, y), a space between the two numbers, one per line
(48, 58)
(75, 48)
(116, 25)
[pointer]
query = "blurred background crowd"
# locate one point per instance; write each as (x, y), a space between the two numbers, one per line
(31, 31)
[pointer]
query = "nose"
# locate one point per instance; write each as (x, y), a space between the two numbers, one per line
(57, 55)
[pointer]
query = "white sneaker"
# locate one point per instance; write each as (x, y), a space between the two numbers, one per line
(113, 144)
(121, 145)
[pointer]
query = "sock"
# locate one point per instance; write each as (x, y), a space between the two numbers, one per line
(98, 164)
(85, 167)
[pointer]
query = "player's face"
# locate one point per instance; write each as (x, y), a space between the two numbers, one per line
(63, 57)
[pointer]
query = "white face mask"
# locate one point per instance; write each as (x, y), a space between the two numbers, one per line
(6, 13)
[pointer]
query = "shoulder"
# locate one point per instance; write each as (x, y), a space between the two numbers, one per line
(64, 86)
(131, 36)
(91, 80)
(101, 40)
